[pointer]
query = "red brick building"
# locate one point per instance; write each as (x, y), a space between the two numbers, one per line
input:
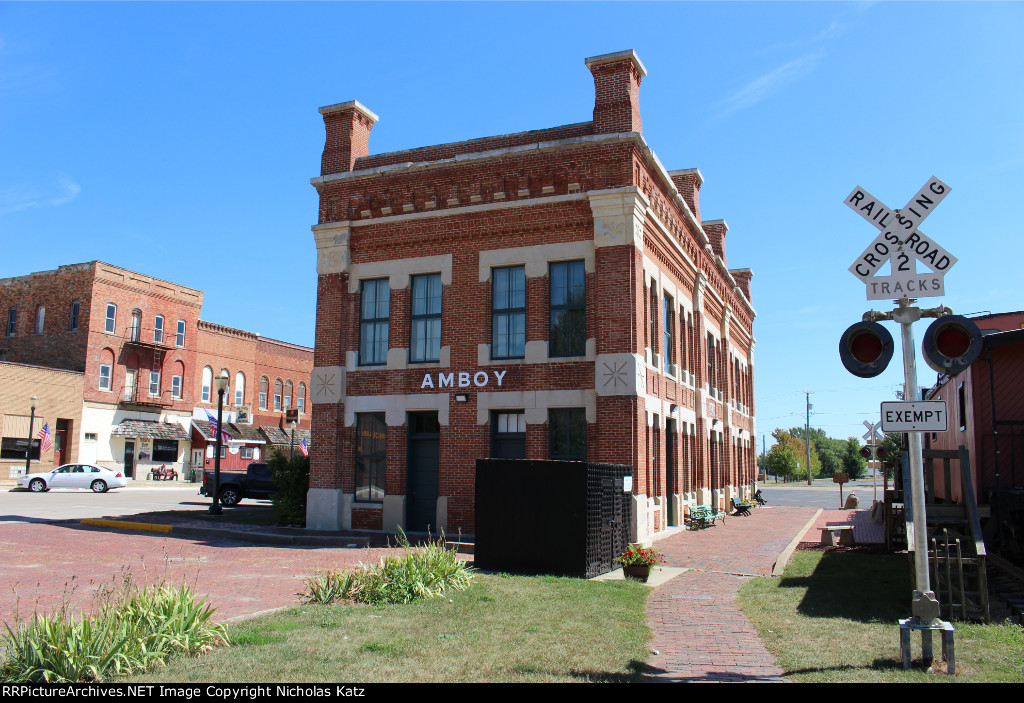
(145, 355)
(546, 294)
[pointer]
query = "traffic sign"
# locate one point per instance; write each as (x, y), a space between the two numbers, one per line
(873, 432)
(914, 416)
(903, 243)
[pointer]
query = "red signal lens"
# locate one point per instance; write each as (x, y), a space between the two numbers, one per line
(866, 347)
(952, 341)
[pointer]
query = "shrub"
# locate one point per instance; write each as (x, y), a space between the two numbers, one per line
(291, 476)
(425, 572)
(139, 628)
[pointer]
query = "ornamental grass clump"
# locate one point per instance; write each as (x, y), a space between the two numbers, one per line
(138, 629)
(638, 555)
(420, 573)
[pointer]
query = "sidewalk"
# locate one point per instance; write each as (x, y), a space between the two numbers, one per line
(700, 634)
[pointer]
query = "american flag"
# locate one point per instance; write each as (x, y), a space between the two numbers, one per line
(44, 434)
(224, 436)
(304, 447)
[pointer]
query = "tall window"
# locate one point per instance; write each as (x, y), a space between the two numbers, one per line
(158, 329)
(567, 433)
(301, 403)
(508, 313)
(154, 383)
(207, 383)
(12, 322)
(104, 377)
(264, 390)
(567, 335)
(111, 319)
(371, 456)
(239, 388)
(40, 316)
(508, 434)
(76, 308)
(175, 386)
(712, 380)
(136, 329)
(425, 333)
(374, 315)
(287, 394)
(179, 338)
(670, 333)
(653, 315)
(277, 394)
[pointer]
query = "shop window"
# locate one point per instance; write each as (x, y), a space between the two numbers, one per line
(567, 433)
(15, 448)
(508, 313)
(374, 318)
(165, 450)
(508, 434)
(425, 326)
(568, 304)
(371, 456)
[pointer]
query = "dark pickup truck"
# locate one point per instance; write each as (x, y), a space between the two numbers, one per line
(256, 482)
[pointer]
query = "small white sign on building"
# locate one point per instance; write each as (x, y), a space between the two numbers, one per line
(915, 416)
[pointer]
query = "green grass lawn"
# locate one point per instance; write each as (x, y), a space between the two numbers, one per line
(502, 629)
(832, 618)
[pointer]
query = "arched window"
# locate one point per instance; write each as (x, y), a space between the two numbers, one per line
(227, 391)
(239, 388)
(207, 383)
(301, 402)
(288, 394)
(277, 394)
(264, 389)
(177, 378)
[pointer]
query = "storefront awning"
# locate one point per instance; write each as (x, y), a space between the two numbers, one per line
(150, 428)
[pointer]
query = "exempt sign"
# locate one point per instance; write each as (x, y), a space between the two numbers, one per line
(914, 416)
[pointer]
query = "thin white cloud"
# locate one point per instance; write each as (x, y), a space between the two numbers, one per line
(25, 197)
(769, 84)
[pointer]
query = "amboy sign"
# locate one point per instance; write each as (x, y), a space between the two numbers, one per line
(461, 379)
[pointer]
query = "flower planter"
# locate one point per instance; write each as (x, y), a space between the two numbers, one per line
(639, 573)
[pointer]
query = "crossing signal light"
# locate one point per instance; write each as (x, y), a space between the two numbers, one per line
(865, 452)
(880, 453)
(951, 344)
(866, 349)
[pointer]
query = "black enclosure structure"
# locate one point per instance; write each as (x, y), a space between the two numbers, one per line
(568, 518)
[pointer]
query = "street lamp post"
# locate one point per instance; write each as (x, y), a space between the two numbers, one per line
(221, 383)
(31, 422)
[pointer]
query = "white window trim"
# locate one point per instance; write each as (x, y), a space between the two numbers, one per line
(109, 371)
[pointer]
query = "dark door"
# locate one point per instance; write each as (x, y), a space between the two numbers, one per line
(421, 476)
(670, 472)
(129, 458)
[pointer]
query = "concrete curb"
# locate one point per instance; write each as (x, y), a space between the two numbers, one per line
(237, 535)
(780, 563)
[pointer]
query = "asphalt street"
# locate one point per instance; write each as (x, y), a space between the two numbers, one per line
(822, 494)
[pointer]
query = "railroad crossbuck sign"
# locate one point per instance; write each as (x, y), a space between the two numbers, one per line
(873, 433)
(903, 244)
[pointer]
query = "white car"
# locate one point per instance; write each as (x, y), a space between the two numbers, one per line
(95, 478)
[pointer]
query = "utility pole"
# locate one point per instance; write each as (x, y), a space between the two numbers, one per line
(807, 438)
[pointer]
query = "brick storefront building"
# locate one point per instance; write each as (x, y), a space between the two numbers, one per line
(546, 294)
(148, 363)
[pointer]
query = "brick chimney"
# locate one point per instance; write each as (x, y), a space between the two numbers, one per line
(617, 92)
(348, 135)
(743, 277)
(688, 182)
(716, 229)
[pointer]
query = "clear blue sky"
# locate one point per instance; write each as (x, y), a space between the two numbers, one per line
(178, 140)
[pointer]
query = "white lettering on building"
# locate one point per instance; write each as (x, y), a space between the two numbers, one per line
(447, 380)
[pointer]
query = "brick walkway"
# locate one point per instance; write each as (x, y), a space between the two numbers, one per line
(700, 633)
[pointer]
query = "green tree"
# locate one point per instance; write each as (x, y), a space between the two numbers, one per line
(292, 479)
(853, 463)
(796, 435)
(781, 459)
